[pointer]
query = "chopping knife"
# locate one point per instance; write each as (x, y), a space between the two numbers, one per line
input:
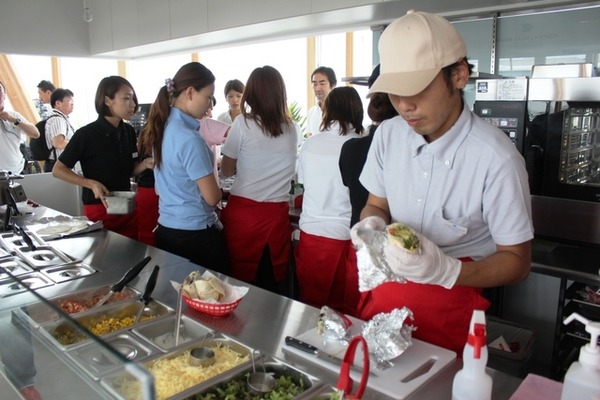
(147, 295)
(128, 277)
(309, 348)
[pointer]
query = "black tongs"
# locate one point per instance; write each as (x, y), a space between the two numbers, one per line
(147, 295)
(128, 277)
(21, 232)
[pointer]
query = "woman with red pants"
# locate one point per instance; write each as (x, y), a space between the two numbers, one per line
(107, 152)
(325, 258)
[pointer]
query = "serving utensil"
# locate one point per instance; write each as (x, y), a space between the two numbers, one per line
(128, 277)
(147, 295)
(260, 382)
(26, 238)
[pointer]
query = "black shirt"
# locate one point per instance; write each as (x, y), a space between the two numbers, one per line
(106, 154)
(352, 159)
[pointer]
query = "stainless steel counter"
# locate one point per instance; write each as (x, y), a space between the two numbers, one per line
(262, 320)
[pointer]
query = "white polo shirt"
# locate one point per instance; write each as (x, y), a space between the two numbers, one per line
(326, 208)
(466, 191)
(265, 165)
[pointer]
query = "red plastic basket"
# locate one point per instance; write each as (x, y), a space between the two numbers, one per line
(214, 309)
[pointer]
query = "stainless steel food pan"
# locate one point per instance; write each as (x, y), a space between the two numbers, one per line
(75, 303)
(161, 332)
(102, 321)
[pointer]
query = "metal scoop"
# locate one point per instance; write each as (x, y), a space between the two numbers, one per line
(203, 356)
(147, 295)
(260, 382)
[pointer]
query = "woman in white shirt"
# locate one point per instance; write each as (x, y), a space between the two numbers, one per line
(325, 257)
(261, 151)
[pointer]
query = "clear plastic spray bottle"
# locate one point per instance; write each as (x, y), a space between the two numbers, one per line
(582, 380)
(472, 382)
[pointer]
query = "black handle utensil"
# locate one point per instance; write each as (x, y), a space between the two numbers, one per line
(147, 295)
(128, 277)
(26, 238)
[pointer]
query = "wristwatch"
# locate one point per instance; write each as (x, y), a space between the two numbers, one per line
(17, 121)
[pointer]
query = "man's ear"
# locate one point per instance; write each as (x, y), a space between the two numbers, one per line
(460, 75)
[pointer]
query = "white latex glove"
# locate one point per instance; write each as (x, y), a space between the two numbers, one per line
(430, 265)
(362, 232)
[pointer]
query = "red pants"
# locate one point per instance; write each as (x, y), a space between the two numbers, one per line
(249, 227)
(442, 316)
(146, 203)
(124, 224)
(327, 272)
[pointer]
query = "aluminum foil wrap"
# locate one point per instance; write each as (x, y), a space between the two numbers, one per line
(388, 335)
(332, 324)
(373, 269)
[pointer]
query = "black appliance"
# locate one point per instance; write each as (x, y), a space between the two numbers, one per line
(563, 154)
(502, 102)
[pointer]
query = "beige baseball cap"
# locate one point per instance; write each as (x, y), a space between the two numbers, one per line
(413, 50)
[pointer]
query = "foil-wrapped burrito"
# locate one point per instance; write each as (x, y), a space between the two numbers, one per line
(332, 324)
(388, 335)
(373, 267)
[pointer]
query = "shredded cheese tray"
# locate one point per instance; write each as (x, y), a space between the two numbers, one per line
(173, 373)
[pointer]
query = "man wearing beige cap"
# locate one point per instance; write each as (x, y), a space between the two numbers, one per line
(456, 180)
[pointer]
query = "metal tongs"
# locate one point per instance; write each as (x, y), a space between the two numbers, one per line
(147, 295)
(26, 238)
(128, 277)
(345, 383)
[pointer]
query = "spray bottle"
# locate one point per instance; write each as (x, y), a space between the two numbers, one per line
(472, 382)
(582, 380)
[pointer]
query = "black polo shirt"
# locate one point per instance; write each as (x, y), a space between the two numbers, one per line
(352, 160)
(106, 154)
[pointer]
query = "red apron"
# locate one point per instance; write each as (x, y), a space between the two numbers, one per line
(327, 272)
(442, 316)
(249, 226)
(124, 224)
(146, 203)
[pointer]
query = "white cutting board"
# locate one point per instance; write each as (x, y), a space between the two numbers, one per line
(389, 381)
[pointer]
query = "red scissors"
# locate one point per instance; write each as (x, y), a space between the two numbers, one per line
(345, 383)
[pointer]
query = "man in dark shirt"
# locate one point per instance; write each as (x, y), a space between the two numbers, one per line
(354, 152)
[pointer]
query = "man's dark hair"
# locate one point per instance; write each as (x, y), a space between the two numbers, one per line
(327, 72)
(58, 95)
(447, 71)
(46, 85)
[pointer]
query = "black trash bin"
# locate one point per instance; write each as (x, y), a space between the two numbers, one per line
(520, 339)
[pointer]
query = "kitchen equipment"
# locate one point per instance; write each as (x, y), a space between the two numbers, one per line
(345, 383)
(393, 381)
(18, 284)
(147, 295)
(103, 321)
(67, 272)
(562, 152)
(291, 383)
(502, 102)
(202, 357)
(20, 231)
(73, 303)
(43, 256)
(309, 348)
(260, 382)
(128, 277)
(172, 372)
(120, 202)
(160, 333)
(178, 314)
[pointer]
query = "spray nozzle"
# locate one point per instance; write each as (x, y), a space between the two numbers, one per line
(593, 328)
(477, 335)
